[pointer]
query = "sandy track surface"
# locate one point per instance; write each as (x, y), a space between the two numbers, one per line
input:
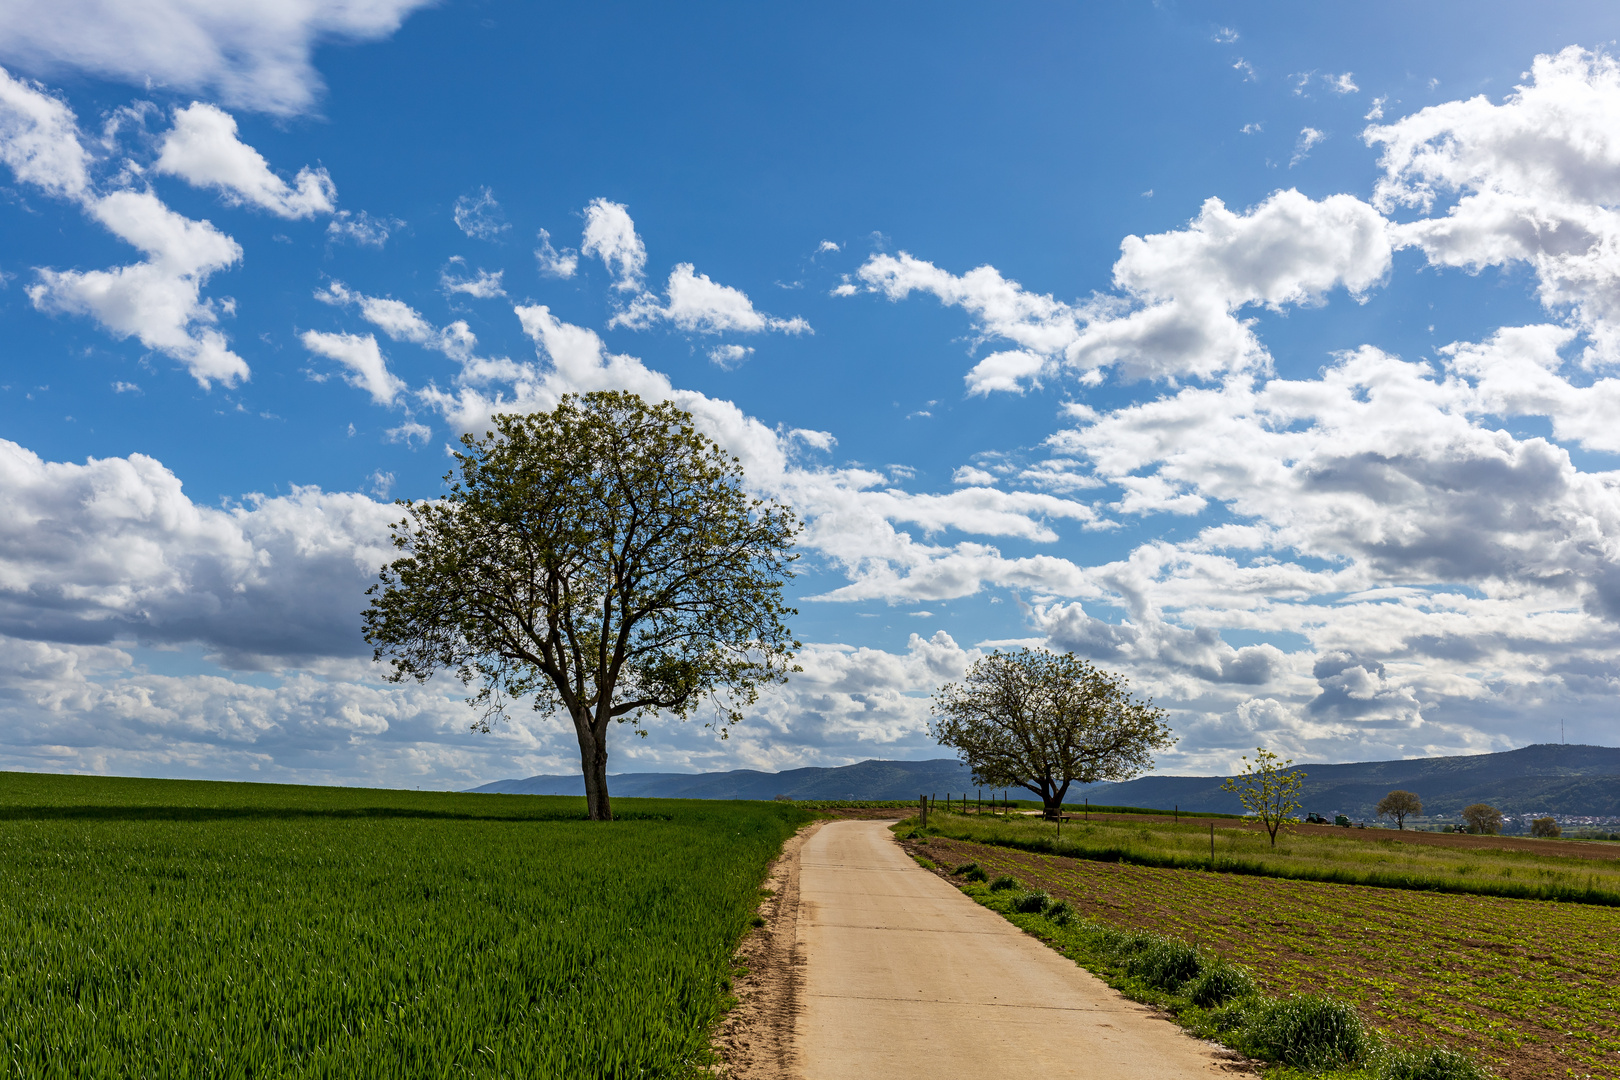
(903, 976)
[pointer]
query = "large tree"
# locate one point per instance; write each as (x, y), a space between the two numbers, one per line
(1042, 721)
(1483, 819)
(1399, 805)
(604, 560)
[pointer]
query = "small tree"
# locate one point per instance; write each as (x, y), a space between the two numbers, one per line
(1266, 791)
(1483, 819)
(1399, 805)
(1545, 827)
(602, 558)
(1042, 721)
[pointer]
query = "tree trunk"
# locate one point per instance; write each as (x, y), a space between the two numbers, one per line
(593, 763)
(1052, 804)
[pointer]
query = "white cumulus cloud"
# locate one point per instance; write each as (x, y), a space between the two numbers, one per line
(250, 53)
(1180, 292)
(202, 149)
(698, 304)
(554, 263)
(485, 286)
(39, 139)
(610, 235)
(367, 368)
(1536, 179)
(730, 357)
(157, 301)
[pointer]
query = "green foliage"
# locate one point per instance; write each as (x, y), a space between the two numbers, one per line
(1004, 883)
(602, 559)
(1483, 819)
(1166, 964)
(1545, 827)
(1435, 1063)
(172, 928)
(972, 871)
(1268, 792)
(1399, 805)
(926, 864)
(1309, 1031)
(1220, 983)
(1039, 720)
(1031, 903)
(1059, 913)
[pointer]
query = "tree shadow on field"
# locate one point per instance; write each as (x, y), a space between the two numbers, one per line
(273, 813)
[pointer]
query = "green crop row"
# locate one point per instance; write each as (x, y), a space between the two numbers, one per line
(1334, 858)
(175, 929)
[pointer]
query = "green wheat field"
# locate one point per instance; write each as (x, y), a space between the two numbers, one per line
(184, 929)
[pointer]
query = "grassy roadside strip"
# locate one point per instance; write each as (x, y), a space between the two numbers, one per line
(1102, 842)
(1301, 1035)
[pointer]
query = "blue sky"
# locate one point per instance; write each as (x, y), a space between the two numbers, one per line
(1262, 353)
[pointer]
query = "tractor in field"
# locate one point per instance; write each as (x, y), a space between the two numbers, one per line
(1341, 821)
(1315, 819)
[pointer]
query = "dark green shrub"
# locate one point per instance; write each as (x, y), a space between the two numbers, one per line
(1166, 964)
(1431, 1064)
(1237, 1014)
(1219, 983)
(1060, 913)
(1004, 882)
(1123, 944)
(1030, 903)
(1310, 1032)
(971, 871)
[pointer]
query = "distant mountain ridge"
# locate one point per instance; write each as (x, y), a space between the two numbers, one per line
(1574, 781)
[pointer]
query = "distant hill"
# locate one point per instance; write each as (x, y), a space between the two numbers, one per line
(1574, 781)
(866, 780)
(1571, 781)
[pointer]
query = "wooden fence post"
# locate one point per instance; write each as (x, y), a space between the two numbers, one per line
(922, 810)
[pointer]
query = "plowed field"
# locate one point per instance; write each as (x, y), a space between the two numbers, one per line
(1533, 986)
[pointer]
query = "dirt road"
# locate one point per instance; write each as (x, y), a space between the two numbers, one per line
(903, 977)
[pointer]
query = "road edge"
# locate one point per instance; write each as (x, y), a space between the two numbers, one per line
(755, 1041)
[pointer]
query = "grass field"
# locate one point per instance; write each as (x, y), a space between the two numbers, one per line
(1532, 986)
(179, 929)
(1331, 856)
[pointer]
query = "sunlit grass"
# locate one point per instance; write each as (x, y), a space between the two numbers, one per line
(175, 929)
(1350, 859)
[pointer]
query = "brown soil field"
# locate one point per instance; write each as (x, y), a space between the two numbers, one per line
(1532, 986)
